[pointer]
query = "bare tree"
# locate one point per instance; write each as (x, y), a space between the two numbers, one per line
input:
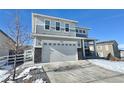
(19, 34)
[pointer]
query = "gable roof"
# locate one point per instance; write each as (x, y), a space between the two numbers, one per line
(7, 36)
(107, 42)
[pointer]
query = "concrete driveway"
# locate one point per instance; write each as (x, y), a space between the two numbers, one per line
(80, 72)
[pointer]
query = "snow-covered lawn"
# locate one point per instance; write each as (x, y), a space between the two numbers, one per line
(3, 62)
(111, 65)
(4, 72)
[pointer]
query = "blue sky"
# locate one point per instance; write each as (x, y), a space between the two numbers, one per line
(105, 24)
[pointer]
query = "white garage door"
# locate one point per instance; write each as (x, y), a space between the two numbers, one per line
(57, 51)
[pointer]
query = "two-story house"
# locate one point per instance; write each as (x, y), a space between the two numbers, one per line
(57, 39)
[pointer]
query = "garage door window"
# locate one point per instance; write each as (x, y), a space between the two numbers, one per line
(50, 44)
(54, 44)
(73, 44)
(66, 44)
(58, 44)
(45, 43)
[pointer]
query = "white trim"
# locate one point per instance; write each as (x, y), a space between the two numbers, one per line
(33, 24)
(56, 36)
(83, 49)
(95, 47)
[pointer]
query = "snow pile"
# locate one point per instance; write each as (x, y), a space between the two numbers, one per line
(3, 75)
(39, 81)
(111, 65)
(27, 77)
(26, 72)
(33, 74)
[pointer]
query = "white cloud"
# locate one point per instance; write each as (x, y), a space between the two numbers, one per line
(121, 46)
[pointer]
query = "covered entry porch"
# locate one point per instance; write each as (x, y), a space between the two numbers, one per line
(87, 49)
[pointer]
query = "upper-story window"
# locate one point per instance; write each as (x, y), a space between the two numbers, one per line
(80, 31)
(57, 25)
(84, 31)
(67, 27)
(47, 24)
(77, 30)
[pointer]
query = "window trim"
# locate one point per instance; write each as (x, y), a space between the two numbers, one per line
(60, 25)
(45, 24)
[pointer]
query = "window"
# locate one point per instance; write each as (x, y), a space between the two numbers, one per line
(50, 44)
(84, 31)
(79, 45)
(57, 25)
(66, 44)
(73, 44)
(77, 30)
(45, 43)
(62, 44)
(80, 31)
(54, 44)
(47, 24)
(67, 27)
(58, 44)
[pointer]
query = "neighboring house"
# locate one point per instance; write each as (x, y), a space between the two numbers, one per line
(7, 44)
(122, 53)
(57, 39)
(106, 47)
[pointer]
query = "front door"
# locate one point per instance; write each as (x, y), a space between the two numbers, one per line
(38, 55)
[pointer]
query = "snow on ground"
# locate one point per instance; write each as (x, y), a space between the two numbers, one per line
(39, 81)
(111, 65)
(3, 62)
(4, 72)
(27, 75)
(26, 72)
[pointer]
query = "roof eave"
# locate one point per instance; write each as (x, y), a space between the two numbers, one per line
(36, 14)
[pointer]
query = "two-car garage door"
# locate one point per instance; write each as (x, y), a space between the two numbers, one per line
(59, 51)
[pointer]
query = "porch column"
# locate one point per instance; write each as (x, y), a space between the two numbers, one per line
(83, 48)
(94, 44)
